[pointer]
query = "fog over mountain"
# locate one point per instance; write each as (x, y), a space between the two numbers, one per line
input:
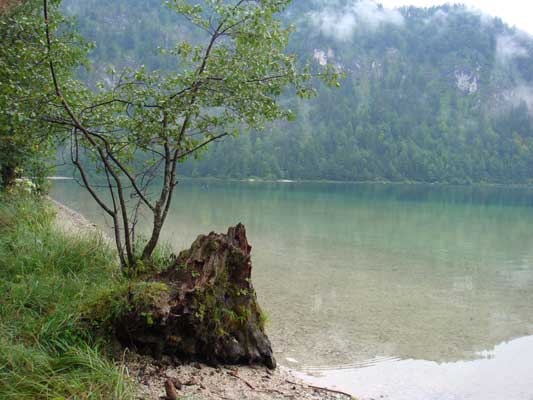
(443, 94)
(339, 21)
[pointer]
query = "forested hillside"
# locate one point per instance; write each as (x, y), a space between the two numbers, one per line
(435, 95)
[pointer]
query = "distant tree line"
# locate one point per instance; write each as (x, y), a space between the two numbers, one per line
(429, 100)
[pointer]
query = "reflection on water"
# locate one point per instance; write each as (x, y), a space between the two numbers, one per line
(352, 273)
(502, 374)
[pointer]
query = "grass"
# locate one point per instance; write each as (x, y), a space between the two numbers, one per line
(46, 280)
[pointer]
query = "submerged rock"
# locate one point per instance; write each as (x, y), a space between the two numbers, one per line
(206, 307)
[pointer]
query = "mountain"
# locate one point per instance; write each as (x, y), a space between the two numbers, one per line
(443, 94)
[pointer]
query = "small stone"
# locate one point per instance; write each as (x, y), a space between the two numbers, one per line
(171, 373)
(191, 382)
(177, 383)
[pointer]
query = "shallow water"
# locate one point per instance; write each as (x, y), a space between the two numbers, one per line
(360, 280)
(502, 374)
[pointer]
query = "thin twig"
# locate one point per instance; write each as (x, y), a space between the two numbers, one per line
(236, 375)
(321, 388)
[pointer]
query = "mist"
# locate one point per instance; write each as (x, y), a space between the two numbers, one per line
(340, 21)
(508, 48)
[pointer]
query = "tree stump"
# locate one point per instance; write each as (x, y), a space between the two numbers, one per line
(207, 309)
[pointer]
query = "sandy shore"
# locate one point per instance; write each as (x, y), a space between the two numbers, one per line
(71, 221)
(197, 381)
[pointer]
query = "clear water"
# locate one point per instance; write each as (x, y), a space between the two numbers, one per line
(400, 291)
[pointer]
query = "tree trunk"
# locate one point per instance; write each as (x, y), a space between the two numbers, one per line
(8, 175)
(154, 238)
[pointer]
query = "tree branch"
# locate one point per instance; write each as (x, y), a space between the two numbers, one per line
(181, 156)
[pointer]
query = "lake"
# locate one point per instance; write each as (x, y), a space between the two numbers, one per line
(415, 292)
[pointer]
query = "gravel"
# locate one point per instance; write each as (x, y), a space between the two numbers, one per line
(199, 381)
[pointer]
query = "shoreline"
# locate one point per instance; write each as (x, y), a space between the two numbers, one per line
(71, 221)
(367, 182)
(326, 181)
(196, 379)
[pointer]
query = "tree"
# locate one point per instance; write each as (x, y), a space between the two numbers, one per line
(25, 90)
(135, 129)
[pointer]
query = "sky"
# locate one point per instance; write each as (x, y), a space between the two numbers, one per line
(513, 12)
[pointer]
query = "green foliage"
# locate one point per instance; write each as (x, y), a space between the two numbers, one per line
(226, 79)
(263, 319)
(116, 301)
(137, 124)
(399, 114)
(25, 89)
(46, 352)
(160, 260)
(79, 372)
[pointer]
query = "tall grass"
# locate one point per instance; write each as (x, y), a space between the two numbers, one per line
(46, 277)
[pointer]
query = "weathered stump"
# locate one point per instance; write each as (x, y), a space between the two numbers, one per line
(206, 309)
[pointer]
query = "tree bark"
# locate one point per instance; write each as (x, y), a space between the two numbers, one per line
(154, 238)
(8, 175)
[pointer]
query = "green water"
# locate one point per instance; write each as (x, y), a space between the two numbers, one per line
(354, 275)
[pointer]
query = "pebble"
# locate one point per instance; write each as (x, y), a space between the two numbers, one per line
(223, 382)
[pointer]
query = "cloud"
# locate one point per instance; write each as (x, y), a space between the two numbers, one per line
(514, 12)
(521, 94)
(439, 16)
(341, 21)
(508, 47)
